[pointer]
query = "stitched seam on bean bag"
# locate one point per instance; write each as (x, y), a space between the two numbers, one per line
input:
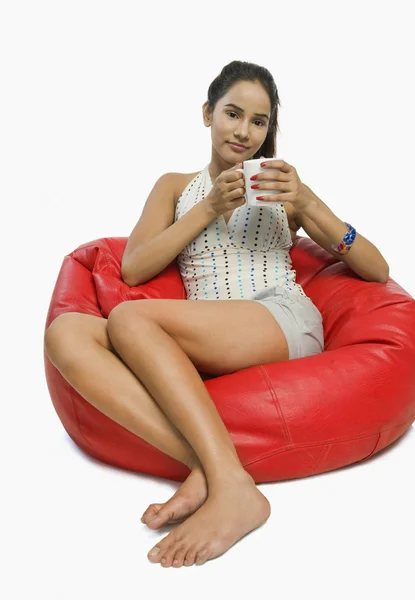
(314, 461)
(375, 446)
(277, 405)
(323, 442)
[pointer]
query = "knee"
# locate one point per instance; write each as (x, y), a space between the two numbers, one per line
(118, 317)
(119, 321)
(125, 320)
(57, 338)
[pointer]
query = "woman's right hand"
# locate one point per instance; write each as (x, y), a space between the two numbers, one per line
(227, 192)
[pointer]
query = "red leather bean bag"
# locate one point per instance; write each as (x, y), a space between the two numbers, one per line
(287, 419)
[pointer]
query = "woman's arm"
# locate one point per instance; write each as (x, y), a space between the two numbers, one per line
(323, 227)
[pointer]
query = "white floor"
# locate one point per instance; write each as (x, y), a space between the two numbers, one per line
(71, 525)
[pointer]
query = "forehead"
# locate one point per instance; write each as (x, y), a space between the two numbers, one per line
(248, 94)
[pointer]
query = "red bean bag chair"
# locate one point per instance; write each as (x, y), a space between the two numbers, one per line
(286, 419)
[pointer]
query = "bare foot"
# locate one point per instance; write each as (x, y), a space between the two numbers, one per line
(187, 499)
(216, 526)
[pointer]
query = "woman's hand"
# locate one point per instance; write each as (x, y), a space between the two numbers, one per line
(227, 192)
(286, 181)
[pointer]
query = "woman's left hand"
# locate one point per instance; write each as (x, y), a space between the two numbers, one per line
(286, 181)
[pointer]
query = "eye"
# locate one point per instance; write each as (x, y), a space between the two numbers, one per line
(230, 112)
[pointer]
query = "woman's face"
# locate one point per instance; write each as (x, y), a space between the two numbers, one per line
(246, 122)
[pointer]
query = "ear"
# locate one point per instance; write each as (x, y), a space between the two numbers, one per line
(207, 116)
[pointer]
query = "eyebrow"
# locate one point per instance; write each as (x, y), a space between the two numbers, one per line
(242, 110)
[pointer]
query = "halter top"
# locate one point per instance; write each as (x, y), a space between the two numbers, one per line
(243, 259)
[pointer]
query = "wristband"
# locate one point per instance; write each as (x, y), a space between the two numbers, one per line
(346, 243)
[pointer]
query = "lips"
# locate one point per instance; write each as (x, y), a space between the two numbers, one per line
(239, 145)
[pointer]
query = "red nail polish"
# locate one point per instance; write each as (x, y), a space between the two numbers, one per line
(255, 187)
(260, 197)
(263, 164)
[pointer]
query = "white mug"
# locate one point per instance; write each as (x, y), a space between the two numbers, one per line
(252, 167)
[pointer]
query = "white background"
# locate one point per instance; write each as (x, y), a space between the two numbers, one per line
(98, 99)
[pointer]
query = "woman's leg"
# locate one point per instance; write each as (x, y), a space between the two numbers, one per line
(163, 342)
(79, 347)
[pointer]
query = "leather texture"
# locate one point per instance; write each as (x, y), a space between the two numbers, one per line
(287, 419)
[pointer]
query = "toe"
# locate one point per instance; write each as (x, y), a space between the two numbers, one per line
(202, 556)
(179, 557)
(155, 554)
(190, 557)
(169, 555)
(163, 546)
(164, 515)
(151, 512)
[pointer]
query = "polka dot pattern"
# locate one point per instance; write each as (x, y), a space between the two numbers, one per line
(238, 260)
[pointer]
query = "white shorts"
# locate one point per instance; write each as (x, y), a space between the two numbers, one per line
(299, 319)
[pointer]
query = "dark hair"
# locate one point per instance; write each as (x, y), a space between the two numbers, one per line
(245, 71)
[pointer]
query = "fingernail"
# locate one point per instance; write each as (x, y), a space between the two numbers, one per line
(154, 551)
(263, 164)
(260, 197)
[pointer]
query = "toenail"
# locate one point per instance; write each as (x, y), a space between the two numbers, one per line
(175, 562)
(154, 551)
(163, 560)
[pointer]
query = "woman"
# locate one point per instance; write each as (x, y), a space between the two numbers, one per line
(141, 367)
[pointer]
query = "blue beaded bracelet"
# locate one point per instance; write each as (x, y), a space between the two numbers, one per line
(346, 243)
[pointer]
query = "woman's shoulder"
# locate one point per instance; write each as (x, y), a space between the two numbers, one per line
(182, 180)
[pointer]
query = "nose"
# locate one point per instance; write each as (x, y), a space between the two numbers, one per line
(242, 132)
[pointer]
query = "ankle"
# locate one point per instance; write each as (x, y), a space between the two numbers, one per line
(229, 471)
(193, 462)
(232, 482)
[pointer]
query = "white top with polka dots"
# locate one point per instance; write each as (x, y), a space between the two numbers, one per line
(238, 260)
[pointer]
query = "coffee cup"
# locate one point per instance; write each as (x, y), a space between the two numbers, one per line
(253, 167)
